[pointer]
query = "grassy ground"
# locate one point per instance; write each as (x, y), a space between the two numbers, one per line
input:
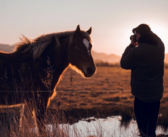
(107, 93)
(106, 79)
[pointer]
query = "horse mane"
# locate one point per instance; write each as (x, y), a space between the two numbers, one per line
(35, 47)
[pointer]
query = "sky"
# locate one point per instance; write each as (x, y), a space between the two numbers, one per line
(112, 21)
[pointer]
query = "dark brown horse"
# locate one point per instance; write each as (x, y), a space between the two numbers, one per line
(31, 73)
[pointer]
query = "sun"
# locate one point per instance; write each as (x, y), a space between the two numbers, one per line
(159, 30)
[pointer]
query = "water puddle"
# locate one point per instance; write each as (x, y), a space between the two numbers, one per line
(109, 127)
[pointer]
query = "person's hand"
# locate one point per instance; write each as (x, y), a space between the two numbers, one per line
(134, 42)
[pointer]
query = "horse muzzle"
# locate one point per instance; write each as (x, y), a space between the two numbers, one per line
(89, 71)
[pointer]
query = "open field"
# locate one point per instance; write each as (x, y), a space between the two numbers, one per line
(106, 79)
(113, 79)
(106, 94)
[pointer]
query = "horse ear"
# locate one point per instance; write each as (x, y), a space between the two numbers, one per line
(89, 31)
(77, 29)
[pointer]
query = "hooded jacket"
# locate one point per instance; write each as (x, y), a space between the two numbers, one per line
(147, 67)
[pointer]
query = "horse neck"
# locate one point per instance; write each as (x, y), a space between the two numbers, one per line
(62, 59)
(58, 62)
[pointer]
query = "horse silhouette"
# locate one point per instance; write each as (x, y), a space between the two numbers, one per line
(30, 74)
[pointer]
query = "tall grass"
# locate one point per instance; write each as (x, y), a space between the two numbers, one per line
(10, 125)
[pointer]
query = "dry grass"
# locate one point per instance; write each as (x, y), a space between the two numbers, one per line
(112, 79)
(106, 94)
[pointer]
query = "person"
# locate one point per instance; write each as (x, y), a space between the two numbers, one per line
(145, 57)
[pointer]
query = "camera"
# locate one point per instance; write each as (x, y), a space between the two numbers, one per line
(134, 37)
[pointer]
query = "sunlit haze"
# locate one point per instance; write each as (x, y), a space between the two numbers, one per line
(111, 21)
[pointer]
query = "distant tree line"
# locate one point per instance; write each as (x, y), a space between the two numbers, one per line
(117, 64)
(107, 64)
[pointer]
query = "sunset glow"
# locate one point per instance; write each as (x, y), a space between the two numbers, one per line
(161, 31)
(111, 21)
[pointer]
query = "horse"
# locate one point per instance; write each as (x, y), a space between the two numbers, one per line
(31, 73)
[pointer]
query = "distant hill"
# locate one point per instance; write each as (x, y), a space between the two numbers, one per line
(6, 48)
(112, 58)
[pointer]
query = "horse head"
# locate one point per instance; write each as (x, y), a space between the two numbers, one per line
(79, 52)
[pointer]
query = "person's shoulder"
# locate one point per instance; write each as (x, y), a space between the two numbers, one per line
(141, 50)
(159, 40)
(135, 51)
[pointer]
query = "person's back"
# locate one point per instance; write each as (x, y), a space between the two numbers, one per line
(146, 62)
